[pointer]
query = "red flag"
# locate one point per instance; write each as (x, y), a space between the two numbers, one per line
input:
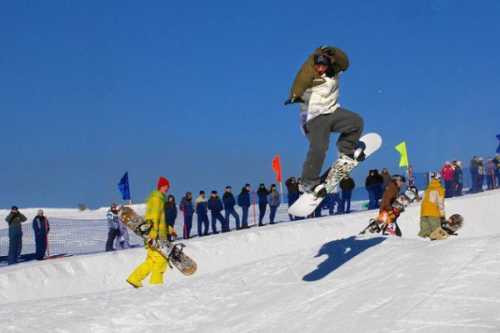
(277, 167)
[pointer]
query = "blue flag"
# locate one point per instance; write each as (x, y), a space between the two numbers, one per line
(498, 149)
(124, 187)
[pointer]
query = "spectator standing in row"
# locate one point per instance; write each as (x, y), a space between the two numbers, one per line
(458, 177)
(113, 226)
(448, 175)
(496, 161)
(274, 200)
(292, 187)
(386, 176)
(170, 211)
(262, 194)
(215, 208)
(477, 174)
(202, 213)
(186, 207)
(14, 220)
(373, 185)
(41, 230)
(329, 203)
(490, 174)
(123, 239)
(244, 203)
(347, 185)
(229, 202)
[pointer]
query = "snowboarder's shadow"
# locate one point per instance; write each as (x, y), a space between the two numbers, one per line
(339, 252)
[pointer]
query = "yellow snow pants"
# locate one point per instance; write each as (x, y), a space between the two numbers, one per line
(155, 263)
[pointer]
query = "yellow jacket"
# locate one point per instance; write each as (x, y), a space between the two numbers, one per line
(155, 213)
(433, 201)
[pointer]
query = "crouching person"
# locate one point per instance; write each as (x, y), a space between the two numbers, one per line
(155, 263)
(432, 210)
(388, 215)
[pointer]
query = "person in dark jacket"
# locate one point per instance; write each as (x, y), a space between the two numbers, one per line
(262, 194)
(229, 202)
(458, 178)
(201, 209)
(186, 207)
(244, 203)
(347, 185)
(14, 219)
(292, 187)
(113, 226)
(215, 207)
(329, 203)
(373, 185)
(170, 213)
(41, 230)
(274, 200)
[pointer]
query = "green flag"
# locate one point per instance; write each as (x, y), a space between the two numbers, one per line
(401, 148)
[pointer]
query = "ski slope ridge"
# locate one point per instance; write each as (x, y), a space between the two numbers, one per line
(307, 276)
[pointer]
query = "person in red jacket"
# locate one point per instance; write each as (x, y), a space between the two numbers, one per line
(448, 175)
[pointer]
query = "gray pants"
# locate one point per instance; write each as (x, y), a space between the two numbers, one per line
(319, 129)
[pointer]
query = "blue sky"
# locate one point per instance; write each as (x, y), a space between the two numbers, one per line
(194, 90)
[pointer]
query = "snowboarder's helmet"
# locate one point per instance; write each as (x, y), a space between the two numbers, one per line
(321, 59)
(456, 219)
(400, 178)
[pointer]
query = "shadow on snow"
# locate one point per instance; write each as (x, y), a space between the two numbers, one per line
(339, 252)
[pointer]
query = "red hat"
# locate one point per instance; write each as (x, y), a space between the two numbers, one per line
(162, 181)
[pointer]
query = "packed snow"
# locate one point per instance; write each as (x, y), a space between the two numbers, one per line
(312, 275)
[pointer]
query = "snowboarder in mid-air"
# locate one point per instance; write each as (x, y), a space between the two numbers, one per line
(316, 88)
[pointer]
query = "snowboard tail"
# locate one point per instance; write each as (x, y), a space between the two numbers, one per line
(174, 253)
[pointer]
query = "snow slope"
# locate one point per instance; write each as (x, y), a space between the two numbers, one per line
(307, 276)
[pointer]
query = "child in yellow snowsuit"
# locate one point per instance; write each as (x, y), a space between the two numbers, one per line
(155, 263)
(432, 211)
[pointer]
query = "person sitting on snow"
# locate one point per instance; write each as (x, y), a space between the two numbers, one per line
(432, 212)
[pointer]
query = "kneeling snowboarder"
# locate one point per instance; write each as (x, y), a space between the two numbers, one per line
(433, 223)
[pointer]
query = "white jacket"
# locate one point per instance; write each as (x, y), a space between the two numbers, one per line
(321, 99)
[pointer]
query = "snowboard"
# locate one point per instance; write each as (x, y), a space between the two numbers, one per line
(174, 253)
(381, 223)
(307, 202)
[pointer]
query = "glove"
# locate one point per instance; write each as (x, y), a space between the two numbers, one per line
(294, 99)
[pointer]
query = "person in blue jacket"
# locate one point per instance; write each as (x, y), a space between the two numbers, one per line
(201, 208)
(274, 200)
(170, 212)
(41, 229)
(229, 202)
(215, 207)
(244, 203)
(262, 193)
(186, 207)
